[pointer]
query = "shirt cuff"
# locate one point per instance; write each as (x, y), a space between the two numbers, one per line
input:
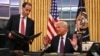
(76, 48)
(45, 47)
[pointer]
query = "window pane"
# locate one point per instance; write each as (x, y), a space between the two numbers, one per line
(71, 24)
(14, 2)
(14, 10)
(63, 2)
(4, 1)
(66, 15)
(74, 2)
(64, 12)
(4, 11)
(73, 12)
(58, 2)
(59, 11)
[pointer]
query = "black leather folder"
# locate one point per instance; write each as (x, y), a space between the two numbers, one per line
(21, 38)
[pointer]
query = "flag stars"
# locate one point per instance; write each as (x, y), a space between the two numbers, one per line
(54, 11)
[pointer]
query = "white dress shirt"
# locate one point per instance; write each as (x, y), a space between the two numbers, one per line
(64, 39)
(25, 21)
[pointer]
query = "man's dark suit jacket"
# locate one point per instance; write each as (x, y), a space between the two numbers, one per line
(55, 42)
(13, 25)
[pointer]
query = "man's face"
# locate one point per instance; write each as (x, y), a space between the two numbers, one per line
(61, 29)
(26, 10)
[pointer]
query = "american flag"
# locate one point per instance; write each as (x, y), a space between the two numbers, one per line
(53, 17)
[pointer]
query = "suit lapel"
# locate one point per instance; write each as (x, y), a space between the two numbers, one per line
(67, 42)
(57, 42)
(27, 25)
(17, 20)
(67, 38)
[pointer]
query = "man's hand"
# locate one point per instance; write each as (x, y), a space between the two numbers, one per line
(45, 41)
(74, 41)
(10, 36)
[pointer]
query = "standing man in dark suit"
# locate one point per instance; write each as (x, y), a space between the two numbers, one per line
(70, 43)
(20, 23)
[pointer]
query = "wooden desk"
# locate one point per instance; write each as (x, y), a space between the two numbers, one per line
(66, 54)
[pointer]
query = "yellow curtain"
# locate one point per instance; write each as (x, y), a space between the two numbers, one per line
(40, 14)
(93, 12)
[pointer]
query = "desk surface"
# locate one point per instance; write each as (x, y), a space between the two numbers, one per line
(54, 54)
(67, 54)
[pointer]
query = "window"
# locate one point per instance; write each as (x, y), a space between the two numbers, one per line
(14, 7)
(8, 7)
(67, 10)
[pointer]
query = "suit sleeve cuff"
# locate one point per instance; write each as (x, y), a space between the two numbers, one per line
(76, 48)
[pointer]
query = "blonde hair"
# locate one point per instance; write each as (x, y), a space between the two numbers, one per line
(65, 24)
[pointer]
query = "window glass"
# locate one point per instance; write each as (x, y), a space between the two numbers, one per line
(65, 2)
(65, 12)
(14, 10)
(8, 7)
(73, 12)
(4, 11)
(67, 8)
(74, 2)
(4, 1)
(14, 2)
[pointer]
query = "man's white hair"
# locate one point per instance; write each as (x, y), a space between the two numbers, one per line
(63, 23)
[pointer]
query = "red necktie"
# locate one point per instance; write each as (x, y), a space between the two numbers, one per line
(22, 26)
(61, 46)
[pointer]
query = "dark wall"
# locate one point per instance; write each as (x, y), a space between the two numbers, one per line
(3, 23)
(3, 38)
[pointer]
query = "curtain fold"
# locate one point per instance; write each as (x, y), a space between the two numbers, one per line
(93, 12)
(40, 14)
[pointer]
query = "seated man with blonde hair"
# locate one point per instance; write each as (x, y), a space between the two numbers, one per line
(64, 42)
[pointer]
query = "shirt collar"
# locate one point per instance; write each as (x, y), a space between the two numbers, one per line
(64, 36)
(22, 16)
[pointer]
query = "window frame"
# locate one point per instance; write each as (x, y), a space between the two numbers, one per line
(7, 18)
